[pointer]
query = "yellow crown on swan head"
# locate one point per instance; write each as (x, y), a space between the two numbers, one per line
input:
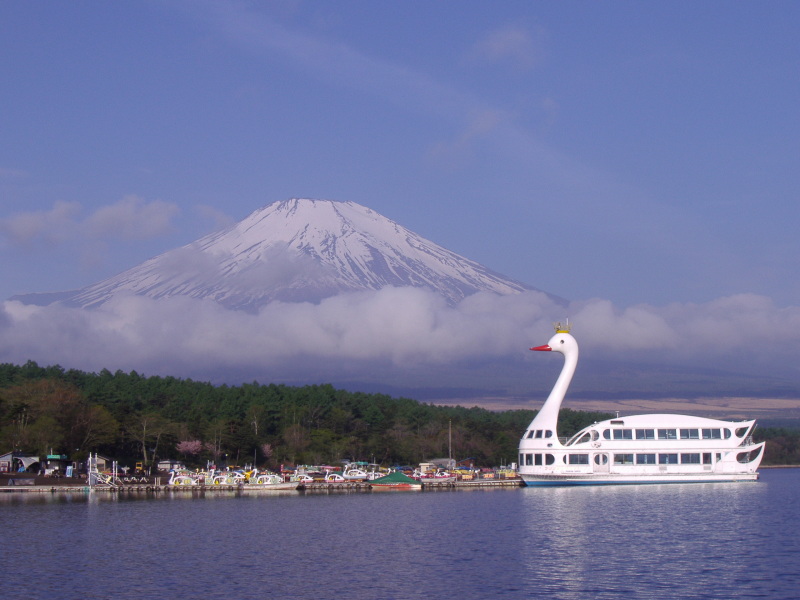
(562, 327)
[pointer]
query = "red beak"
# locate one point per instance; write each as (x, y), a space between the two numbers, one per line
(544, 348)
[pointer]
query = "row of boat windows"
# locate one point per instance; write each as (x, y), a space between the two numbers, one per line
(539, 433)
(666, 458)
(654, 434)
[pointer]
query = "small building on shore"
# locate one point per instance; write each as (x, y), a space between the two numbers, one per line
(58, 465)
(170, 464)
(19, 462)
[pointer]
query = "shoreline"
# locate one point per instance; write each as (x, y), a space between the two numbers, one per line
(156, 487)
(248, 489)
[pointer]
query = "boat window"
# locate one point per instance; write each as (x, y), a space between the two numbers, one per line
(585, 438)
(530, 433)
(726, 433)
(741, 431)
(537, 459)
(528, 459)
(618, 422)
(578, 459)
(668, 459)
(645, 434)
(623, 459)
(601, 459)
(549, 459)
(623, 434)
(744, 457)
(690, 459)
(667, 434)
(607, 434)
(645, 459)
(538, 434)
(690, 434)
(712, 434)
(706, 458)
(522, 459)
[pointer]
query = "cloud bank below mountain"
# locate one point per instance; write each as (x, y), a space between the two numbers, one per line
(358, 335)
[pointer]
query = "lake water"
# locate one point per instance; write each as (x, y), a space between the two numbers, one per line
(714, 541)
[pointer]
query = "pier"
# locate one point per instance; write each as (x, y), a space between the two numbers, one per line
(155, 486)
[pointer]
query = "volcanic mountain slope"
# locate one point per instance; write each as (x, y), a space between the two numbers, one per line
(297, 250)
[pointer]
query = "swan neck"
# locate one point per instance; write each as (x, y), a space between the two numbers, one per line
(547, 417)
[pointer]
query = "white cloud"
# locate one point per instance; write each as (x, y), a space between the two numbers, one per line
(513, 45)
(131, 218)
(339, 62)
(51, 226)
(458, 151)
(216, 216)
(394, 327)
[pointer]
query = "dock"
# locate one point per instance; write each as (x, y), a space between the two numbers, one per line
(155, 486)
(511, 482)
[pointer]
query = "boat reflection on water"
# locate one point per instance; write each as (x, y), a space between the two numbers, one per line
(642, 541)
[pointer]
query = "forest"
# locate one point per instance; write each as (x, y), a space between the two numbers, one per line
(132, 418)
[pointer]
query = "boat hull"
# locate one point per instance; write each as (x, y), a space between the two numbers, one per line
(440, 480)
(613, 479)
(287, 485)
(385, 487)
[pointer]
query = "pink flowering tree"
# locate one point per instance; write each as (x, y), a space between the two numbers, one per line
(266, 450)
(190, 447)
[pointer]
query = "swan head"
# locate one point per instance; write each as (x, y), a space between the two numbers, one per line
(562, 342)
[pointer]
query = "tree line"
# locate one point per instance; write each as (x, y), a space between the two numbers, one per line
(133, 418)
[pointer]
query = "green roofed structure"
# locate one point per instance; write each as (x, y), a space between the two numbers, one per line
(396, 480)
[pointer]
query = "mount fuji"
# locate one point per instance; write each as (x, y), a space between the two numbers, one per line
(297, 250)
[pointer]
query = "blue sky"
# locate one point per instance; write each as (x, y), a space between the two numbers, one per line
(634, 152)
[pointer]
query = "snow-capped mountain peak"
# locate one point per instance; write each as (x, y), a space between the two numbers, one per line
(301, 250)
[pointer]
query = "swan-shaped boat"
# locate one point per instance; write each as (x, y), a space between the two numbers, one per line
(227, 478)
(656, 448)
(271, 481)
(180, 478)
(355, 474)
(332, 477)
